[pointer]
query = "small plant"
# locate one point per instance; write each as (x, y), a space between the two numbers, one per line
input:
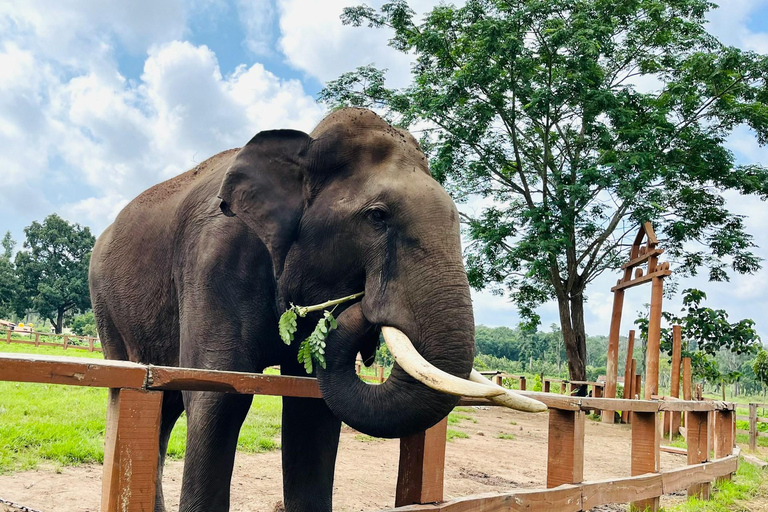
(312, 348)
(513, 423)
(536, 383)
(504, 435)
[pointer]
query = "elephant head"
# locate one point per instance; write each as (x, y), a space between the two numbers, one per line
(353, 207)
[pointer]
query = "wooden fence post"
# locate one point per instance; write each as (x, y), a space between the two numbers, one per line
(381, 374)
(563, 387)
(565, 447)
(752, 427)
(697, 438)
(522, 383)
(724, 436)
(628, 375)
(546, 385)
(646, 453)
(422, 464)
(8, 336)
(37, 339)
(498, 379)
(66, 341)
(90, 344)
(687, 392)
(674, 387)
(654, 337)
(131, 450)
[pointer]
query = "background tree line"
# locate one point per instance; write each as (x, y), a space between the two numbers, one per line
(48, 277)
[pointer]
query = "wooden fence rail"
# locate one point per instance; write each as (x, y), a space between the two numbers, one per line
(133, 419)
(65, 344)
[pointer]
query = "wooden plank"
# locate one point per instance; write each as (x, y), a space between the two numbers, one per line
(646, 442)
(687, 392)
(673, 449)
(697, 438)
(422, 464)
(650, 234)
(654, 338)
(695, 405)
(71, 370)
(695, 474)
(131, 450)
(628, 373)
(746, 418)
(566, 498)
(565, 447)
(651, 253)
(723, 442)
(169, 378)
(623, 490)
(612, 363)
(642, 280)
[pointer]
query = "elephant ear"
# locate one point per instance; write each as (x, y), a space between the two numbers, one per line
(264, 186)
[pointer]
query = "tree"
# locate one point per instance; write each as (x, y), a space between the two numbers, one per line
(8, 281)
(534, 105)
(708, 336)
(760, 367)
(84, 324)
(8, 243)
(53, 269)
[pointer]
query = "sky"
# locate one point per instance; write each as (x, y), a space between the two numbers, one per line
(101, 99)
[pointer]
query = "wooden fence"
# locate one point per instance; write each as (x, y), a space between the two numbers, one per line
(753, 420)
(133, 421)
(65, 344)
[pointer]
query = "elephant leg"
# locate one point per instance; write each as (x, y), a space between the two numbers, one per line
(213, 425)
(310, 438)
(172, 409)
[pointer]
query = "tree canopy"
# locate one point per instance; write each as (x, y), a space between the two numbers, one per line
(576, 120)
(52, 269)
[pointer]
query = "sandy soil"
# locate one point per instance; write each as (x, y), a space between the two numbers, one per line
(366, 470)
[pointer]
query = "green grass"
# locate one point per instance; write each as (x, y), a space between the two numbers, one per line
(365, 438)
(505, 436)
(729, 496)
(64, 425)
(456, 434)
(455, 418)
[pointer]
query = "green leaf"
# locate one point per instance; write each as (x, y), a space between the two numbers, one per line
(287, 326)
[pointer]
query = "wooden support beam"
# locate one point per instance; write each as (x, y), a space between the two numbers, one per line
(612, 364)
(131, 450)
(565, 447)
(687, 394)
(677, 341)
(654, 338)
(752, 427)
(646, 443)
(521, 380)
(651, 253)
(628, 373)
(697, 438)
(642, 280)
(724, 421)
(422, 466)
(546, 385)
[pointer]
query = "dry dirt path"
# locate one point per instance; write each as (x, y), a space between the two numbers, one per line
(366, 469)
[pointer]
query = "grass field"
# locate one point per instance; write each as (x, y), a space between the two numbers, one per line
(64, 425)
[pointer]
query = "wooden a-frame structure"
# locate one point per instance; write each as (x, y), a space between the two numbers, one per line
(639, 255)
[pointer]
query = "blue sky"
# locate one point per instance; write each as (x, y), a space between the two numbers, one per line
(101, 99)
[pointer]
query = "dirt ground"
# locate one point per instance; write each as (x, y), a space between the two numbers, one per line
(366, 470)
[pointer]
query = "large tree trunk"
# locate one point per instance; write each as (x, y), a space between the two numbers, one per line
(574, 335)
(60, 321)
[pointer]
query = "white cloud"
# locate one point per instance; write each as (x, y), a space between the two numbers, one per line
(257, 18)
(314, 41)
(729, 23)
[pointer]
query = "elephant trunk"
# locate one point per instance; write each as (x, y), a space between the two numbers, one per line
(443, 334)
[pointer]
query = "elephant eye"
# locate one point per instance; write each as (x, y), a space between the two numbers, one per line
(377, 215)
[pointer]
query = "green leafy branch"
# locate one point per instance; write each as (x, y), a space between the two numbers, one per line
(312, 348)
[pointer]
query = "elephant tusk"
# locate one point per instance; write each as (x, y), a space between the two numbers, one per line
(416, 366)
(509, 398)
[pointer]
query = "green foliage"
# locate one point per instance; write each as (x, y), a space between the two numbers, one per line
(729, 495)
(537, 386)
(505, 436)
(7, 243)
(707, 333)
(313, 347)
(760, 367)
(52, 269)
(84, 325)
(534, 106)
(455, 434)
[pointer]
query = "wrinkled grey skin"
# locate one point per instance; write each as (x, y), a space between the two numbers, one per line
(197, 270)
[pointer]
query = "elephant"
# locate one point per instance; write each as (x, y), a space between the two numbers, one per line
(196, 271)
